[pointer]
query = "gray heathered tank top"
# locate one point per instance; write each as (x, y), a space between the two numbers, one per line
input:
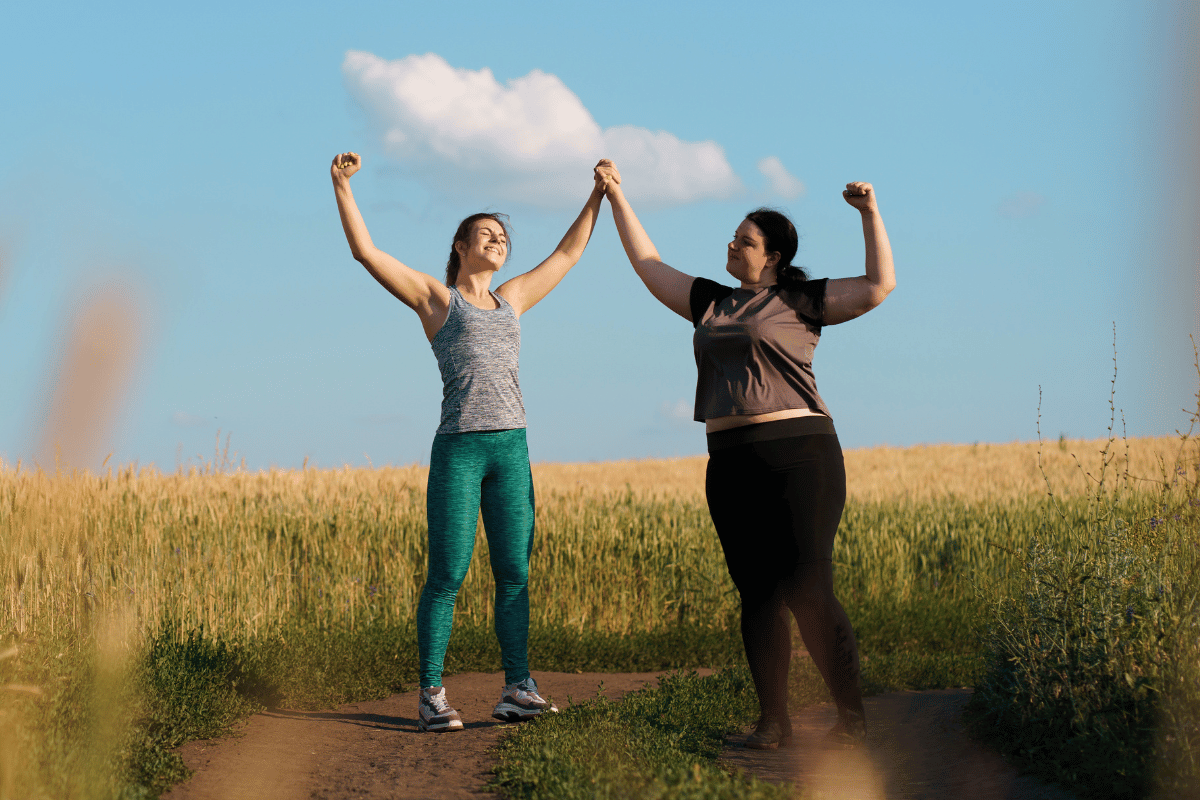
(477, 353)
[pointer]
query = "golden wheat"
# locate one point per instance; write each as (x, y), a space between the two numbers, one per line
(968, 472)
(619, 544)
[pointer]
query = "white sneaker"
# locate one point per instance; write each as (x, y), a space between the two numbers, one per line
(520, 701)
(434, 713)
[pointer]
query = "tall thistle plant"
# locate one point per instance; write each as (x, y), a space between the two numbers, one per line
(1093, 676)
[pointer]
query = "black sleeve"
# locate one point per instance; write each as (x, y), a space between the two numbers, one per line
(705, 292)
(810, 301)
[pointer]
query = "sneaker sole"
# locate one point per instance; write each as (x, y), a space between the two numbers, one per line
(506, 712)
(443, 727)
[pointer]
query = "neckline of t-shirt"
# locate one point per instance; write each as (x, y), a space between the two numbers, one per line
(499, 298)
(755, 291)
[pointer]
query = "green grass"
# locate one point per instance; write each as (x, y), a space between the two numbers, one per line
(1093, 644)
(655, 743)
(1093, 669)
(180, 688)
(663, 743)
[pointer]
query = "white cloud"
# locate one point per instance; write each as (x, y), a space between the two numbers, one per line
(1021, 205)
(530, 140)
(782, 182)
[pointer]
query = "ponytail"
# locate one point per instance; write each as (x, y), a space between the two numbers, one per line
(780, 237)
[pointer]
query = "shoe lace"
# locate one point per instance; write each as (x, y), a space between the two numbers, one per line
(438, 701)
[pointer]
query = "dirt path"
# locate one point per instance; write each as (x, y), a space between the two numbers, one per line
(917, 750)
(372, 749)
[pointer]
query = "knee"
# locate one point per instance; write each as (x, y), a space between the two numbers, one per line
(511, 573)
(760, 604)
(443, 580)
(812, 595)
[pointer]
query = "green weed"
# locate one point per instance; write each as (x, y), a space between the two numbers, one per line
(1093, 674)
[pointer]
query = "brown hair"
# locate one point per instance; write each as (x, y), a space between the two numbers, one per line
(464, 231)
(781, 238)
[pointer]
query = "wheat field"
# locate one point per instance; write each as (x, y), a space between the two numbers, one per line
(968, 472)
(620, 545)
(94, 568)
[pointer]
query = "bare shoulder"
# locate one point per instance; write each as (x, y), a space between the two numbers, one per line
(510, 290)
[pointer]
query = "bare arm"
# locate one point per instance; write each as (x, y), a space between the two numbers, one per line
(422, 293)
(525, 291)
(847, 298)
(671, 287)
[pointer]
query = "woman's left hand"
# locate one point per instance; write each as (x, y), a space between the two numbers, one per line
(860, 195)
(606, 174)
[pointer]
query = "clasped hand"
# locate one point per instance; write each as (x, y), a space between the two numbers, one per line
(606, 175)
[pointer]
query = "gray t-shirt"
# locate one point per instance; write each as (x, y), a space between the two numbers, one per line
(477, 352)
(754, 348)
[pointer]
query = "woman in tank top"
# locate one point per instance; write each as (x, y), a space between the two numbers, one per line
(480, 459)
(775, 482)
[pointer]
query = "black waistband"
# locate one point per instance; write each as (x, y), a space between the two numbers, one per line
(766, 431)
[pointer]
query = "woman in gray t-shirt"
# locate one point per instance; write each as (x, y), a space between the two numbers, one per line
(480, 458)
(775, 481)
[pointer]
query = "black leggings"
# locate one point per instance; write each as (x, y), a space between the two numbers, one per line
(776, 491)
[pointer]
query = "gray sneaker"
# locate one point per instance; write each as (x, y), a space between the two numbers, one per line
(434, 713)
(520, 701)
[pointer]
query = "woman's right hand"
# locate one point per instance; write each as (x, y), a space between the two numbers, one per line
(606, 174)
(345, 165)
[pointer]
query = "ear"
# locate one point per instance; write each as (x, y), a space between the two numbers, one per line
(461, 249)
(772, 259)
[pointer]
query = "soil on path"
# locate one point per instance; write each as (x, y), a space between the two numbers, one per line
(917, 749)
(372, 749)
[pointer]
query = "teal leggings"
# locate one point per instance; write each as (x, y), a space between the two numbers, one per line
(486, 470)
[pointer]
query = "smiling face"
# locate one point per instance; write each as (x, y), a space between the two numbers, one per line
(748, 259)
(486, 246)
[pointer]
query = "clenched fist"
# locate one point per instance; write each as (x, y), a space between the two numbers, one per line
(860, 195)
(345, 165)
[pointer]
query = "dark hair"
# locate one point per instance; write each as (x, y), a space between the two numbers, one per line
(780, 237)
(464, 231)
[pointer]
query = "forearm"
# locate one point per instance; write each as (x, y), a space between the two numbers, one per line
(638, 247)
(669, 286)
(352, 222)
(580, 233)
(880, 270)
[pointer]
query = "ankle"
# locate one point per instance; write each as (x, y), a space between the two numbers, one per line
(852, 717)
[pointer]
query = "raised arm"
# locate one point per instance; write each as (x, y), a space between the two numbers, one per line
(671, 287)
(423, 293)
(847, 298)
(526, 290)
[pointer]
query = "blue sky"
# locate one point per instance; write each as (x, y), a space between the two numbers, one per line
(1025, 159)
